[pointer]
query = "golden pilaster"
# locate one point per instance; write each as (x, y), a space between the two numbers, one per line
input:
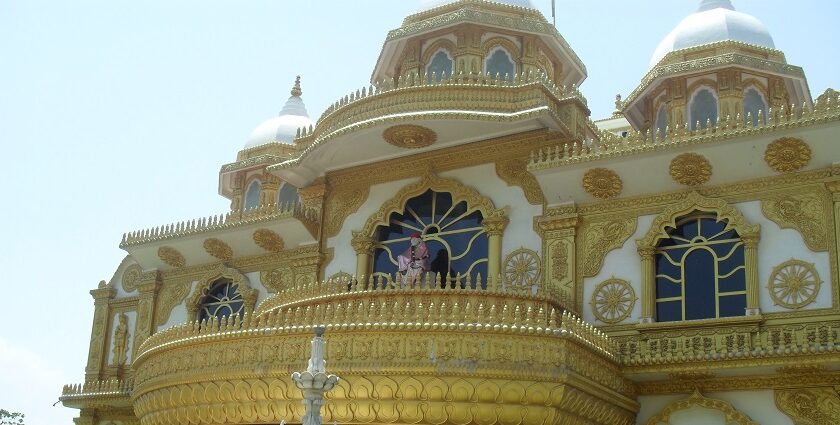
(146, 310)
(751, 263)
(98, 352)
(834, 187)
(363, 245)
(495, 228)
(648, 284)
(558, 229)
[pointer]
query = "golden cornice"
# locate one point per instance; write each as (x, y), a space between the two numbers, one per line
(740, 383)
(613, 146)
(103, 293)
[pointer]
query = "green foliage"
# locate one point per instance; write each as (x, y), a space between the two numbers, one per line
(9, 418)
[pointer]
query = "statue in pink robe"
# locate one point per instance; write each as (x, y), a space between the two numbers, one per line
(414, 261)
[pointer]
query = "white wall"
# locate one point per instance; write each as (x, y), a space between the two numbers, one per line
(483, 178)
(179, 313)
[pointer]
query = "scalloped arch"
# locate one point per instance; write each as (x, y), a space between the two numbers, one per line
(733, 416)
(458, 190)
(696, 202)
(249, 294)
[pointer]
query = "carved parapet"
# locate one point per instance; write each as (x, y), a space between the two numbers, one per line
(567, 360)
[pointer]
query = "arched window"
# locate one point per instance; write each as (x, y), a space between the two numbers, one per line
(440, 67)
(753, 103)
(700, 271)
(661, 123)
(252, 195)
(221, 299)
(703, 108)
(288, 195)
(499, 63)
(452, 231)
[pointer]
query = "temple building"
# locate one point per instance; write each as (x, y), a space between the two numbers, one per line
(674, 263)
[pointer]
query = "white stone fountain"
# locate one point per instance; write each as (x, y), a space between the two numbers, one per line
(315, 381)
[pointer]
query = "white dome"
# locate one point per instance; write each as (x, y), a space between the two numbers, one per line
(715, 20)
(284, 127)
(430, 4)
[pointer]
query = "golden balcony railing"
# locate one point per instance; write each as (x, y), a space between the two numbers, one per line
(264, 213)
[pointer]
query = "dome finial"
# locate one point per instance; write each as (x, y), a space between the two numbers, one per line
(296, 91)
(714, 4)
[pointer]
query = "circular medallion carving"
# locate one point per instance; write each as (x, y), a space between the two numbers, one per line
(522, 267)
(131, 277)
(409, 136)
(613, 300)
(691, 169)
(602, 183)
(794, 284)
(787, 154)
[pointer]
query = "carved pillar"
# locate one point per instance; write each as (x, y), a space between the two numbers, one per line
(558, 229)
(648, 284)
(468, 55)
(270, 187)
(363, 245)
(306, 268)
(146, 310)
(495, 228)
(834, 187)
(751, 263)
(98, 352)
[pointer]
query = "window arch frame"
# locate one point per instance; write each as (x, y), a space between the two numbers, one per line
(762, 93)
(510, 48)
(280, 203)
(696, 89)
(247, 192)
(430, 52)
(206, 283)
(694, 202)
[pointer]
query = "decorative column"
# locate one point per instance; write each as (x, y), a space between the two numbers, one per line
(363, 245)
(834, 187)
(558, 229)
(495, 228)
(751, 263)
(146, 309)
(315, 381)
(468, 56)
(647, 254)
(270, 187)
(98, 352)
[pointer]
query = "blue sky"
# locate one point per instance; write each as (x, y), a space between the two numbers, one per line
(117, 115)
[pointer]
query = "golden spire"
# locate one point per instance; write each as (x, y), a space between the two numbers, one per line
(296, 91)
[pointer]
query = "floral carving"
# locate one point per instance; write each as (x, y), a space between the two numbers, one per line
(810, 406)
(171, 256)
(787, 154)
(602, 183)
(603, 237)
(218, 249)
(278, 279)
(131, 277)
(409, 136)
(691, 169)
(340, 204)
(560, 261)
(515, 173)
(794, 284)
(171, 294)
(269, 240)
(803, 211)
(522, 267)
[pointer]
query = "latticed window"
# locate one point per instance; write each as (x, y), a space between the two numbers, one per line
(440, 67)
(753, 104)
(456, 241)
(700, 271)
(220, 300)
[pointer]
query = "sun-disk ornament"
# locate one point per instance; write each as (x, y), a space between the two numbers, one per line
(691, 169)
(613, 300)
(787, 154)
(602, 183)
(794, 284)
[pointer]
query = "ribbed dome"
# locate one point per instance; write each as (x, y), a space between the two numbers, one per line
(715, 20)
(430, 4)
(283, 128)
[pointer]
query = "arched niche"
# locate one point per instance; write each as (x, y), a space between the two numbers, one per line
(206, 283)
(729, 413)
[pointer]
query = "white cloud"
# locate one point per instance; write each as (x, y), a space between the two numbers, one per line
(31, 385)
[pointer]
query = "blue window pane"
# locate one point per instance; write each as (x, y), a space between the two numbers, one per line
(500, 64)
(670, 311)
(288, 195)
(733, 305)
(700, 285)
(661, 123)
(252, 196)
(440, 67)
(704, 107)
